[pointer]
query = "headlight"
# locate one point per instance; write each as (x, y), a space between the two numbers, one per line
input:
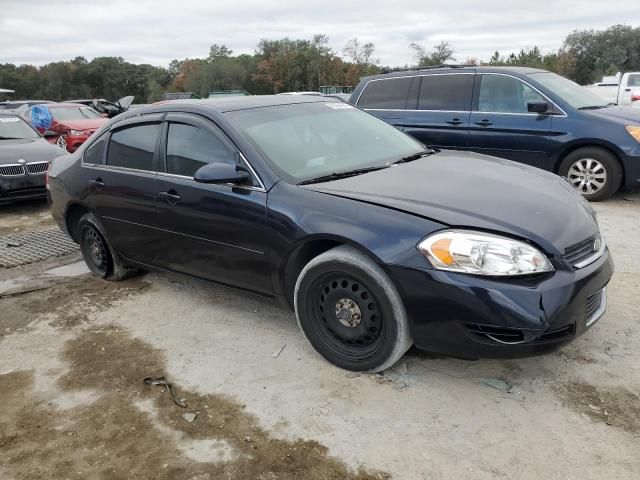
(634, 131)
(482, 254)
(76, 132)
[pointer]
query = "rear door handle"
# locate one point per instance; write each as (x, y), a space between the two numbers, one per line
(484, 123)
(96, 184)
(455, 121)
(171, 197)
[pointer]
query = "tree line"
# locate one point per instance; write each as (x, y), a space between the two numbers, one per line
(302, 64)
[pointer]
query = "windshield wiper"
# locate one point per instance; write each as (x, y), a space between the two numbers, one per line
(596, 107)
(339, 175)
(413, 157)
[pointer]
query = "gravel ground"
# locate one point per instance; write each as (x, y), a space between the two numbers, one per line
(74, 352)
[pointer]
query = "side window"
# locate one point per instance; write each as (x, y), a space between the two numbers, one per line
(95, 153)
(503, 94)
(388, 93)
(190, 147)
(446, 92)
(133, 147)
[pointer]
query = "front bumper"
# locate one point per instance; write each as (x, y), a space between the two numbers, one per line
(25, 186)
(472, 317)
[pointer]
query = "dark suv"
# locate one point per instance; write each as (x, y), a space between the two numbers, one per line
(523, 114)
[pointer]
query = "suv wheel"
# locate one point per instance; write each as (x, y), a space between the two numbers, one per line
(593, 171)
(350, 311)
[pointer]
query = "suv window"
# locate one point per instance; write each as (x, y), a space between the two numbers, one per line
(95, 153)
(190, 147)
(503, 94)
(388, 93)
(133, 147)
(446, 92)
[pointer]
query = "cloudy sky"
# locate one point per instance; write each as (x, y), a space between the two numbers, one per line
(146, 31)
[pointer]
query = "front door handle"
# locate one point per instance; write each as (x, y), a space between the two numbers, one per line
(96, 184)
(484, 123)
(171, 197)
(455, 121)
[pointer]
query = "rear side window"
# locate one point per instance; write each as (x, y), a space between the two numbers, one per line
(190, 147)
(133, 147)
(503, 94)
(95, 153)
(446, 92)
(389, 93)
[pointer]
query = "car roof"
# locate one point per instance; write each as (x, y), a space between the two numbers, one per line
(228, 104)
(63, 104)
(456, 69)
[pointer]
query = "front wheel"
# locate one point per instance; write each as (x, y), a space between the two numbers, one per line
(350, 311)
(594, 172)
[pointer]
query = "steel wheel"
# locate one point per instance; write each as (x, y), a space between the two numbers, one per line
(95, 251)
(347, 318)
(62, 142)
(587, 175)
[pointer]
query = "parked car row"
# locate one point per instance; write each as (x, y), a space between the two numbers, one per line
(526, 115)
(621, 89)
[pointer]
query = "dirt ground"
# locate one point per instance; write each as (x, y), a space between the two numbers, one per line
(260, 404)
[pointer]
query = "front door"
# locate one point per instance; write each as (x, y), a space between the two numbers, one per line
(502, 126)
(121, 185)
(217, 232)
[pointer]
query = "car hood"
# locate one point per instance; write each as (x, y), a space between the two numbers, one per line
(469, 190)
(88, 124)
(622, 114)
(36, 150)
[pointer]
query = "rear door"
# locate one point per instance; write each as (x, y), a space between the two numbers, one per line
(120, 173)
(501, 124)
(440, 118)
(217, 232)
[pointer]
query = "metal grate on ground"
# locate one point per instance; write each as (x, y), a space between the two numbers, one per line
(22, 248)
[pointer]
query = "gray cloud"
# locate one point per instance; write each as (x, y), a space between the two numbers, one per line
(146, 31)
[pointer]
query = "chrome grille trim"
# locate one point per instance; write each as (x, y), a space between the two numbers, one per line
(583, 253)
(37, 168)
(11, 170)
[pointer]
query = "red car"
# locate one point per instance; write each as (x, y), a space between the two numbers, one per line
(68, 125)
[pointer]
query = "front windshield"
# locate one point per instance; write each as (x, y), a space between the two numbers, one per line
(309, 140)
(14, 128)
(572, 93)
(74, 113)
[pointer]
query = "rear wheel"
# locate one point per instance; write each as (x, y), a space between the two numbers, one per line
(100, 258)
(594, 172)
(350, 311)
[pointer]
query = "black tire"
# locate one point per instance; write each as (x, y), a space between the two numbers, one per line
(606, 161)
(350, 311)
(101, 259)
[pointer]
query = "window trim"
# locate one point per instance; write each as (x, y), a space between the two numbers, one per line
(193, 120)
(474, 108)
(140, 121)
(399, 77)
(412, 77)
(473, 100)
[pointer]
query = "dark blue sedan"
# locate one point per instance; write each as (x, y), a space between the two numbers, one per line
(523, 114)
(376, 242)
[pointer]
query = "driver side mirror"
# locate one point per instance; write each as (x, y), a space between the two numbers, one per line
(537, 107)
(220, 173)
